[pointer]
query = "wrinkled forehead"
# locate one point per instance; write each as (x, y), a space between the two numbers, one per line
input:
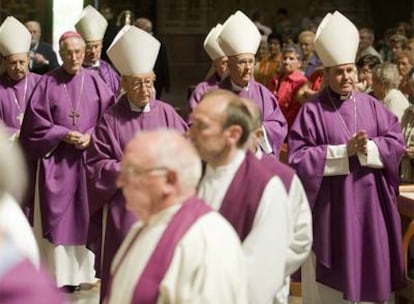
(93, 43)
(72, 44)
(139, 77)
(241, 57)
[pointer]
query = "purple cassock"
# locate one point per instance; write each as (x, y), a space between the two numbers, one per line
(356, 225)
(147, 289)
(61, 103)
(14, 96)
(273, 120)
(242, 198)
(117, 127)
(108, 74)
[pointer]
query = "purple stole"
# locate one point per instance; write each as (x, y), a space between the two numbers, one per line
(147, 288)
(284, 172)
(242, 198)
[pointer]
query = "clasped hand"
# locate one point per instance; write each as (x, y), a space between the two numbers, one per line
(358, 143)
(79, 140)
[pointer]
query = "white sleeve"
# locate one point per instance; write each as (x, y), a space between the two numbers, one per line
(373, 158)
(265, 143)
(300, 241)
(337, 162)
(266, 245)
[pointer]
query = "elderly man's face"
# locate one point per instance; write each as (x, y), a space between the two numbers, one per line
(206, 131)
(140, 89)
(241, 68)
(35, 31)
(16, 66)
(93, 51)
(141, 181)
(341, 78)
(72, 53)
(365, 40)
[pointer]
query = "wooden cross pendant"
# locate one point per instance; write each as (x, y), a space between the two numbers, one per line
(74, 115)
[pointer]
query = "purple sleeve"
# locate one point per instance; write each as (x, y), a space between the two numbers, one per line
(306, 155)
(103, 163)
(39, 134)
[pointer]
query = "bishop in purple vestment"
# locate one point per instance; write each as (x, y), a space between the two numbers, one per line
(239, 39)
(17, 83)
(135, 111)
(92, 26)
(62, 113)
(346, 148)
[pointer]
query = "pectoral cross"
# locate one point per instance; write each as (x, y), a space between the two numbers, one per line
(74, 115)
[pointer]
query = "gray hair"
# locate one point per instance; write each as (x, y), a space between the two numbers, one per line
(388, 75)
(171, 150)
(13, 176)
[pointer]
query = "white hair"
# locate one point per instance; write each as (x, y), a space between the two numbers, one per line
(171, 150)
(13, 176)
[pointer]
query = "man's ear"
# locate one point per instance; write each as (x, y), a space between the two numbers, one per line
(259, 132)
(234, 133)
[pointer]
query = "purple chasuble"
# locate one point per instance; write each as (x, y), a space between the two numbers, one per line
(147, 289)
(284, 172)
(356, 225)
(116, 128)
(61, 103)
(14, 96)
(243, 196)
(108, 74)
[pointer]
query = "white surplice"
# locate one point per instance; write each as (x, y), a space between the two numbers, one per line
(207, 265)
(265, 248)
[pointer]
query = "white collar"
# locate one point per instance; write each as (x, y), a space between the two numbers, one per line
(228, 168)
(135, 108)
(235, 87)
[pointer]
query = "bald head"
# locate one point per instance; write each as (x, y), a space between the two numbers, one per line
(158, 146)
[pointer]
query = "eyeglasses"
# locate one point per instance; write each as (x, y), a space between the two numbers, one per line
(135, 171)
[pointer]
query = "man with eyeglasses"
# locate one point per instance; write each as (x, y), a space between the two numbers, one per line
(133, 53)
(92, 26)
(63, 109)
(239, 39)
(17, 83)
(238, 186)
(179, 251)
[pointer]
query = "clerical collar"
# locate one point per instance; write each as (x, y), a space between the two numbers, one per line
(135, 108)
(338, 96)
(235, 87)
